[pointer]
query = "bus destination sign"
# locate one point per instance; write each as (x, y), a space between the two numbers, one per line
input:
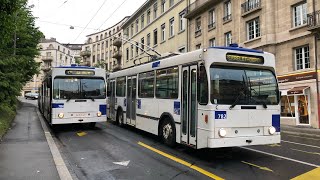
(242, 58)
(79, 72)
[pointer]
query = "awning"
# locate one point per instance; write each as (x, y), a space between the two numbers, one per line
(297, 90)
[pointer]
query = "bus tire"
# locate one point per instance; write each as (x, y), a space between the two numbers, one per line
(120, 117)
(168, 132)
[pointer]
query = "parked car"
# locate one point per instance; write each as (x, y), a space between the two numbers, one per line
(31, 95)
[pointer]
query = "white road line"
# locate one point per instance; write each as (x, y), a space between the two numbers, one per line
(62, 169)
(300, 133)
(300, 144)
(282, 157)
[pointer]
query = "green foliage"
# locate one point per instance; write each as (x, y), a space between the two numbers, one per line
(17, 64)
(100, 64)
(6, 116)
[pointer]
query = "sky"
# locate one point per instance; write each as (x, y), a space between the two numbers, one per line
(55, 17)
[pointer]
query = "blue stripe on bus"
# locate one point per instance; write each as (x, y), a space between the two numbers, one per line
(57, 105)
(239, 49)
(103, 109)
(276, 122)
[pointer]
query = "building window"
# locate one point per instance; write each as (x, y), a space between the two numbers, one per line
(146, 85)
(198, 26)
(127, 32)
(148, 17)
(131, 30)
(198, 46)
(127, 51)
(97, 38)
(107, 43)
(302, 57)
(94, 48)
(253, 28)
(137, 25)
(155, 9)
(163, 6)
(171, 27)
(212, 42)
(228, 38)
(182, 21)
(142, 45)
(250, 5)
(131, 51)
(212, 19)
(227, 11)
(163, 32)
(137, 49)
(142, 21)
(148, 41)
(171, 3)
(102, 45)
(287, 106)
(155, 37)
(167, 83)
(300, 14)
(182, 50)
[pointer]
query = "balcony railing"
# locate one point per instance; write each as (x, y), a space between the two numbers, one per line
(314, 20)
(117, 42)
(212, 25)
(192, 8)
(117, 54)
(250, 5)
(197, 32)
(47, 58)
(45, 68)
(85, 53)
(227, 18)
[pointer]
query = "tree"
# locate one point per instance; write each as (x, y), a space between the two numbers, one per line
(18, 48)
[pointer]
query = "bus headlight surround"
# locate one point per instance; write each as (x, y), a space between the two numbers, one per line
(60, 115)
(99, 114)
(222, 132)
(271, 130)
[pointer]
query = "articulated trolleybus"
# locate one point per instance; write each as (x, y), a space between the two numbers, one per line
(208, 98)
(73, 94)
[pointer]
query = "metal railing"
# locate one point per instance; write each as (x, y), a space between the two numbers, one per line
(211, 25)
(227, 18)
(250, 5)
(47, 58)
(313, 20)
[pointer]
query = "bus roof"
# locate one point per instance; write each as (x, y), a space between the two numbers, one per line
(76, 66)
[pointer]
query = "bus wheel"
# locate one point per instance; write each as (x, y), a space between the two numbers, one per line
(120, 118)
(168, 133)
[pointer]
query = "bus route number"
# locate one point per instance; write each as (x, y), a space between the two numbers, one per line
(220, 115)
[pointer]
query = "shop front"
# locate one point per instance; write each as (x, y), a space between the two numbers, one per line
(299, 99)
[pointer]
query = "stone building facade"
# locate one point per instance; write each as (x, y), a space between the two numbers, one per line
(104, 48)
(289, 29)
(157, 24)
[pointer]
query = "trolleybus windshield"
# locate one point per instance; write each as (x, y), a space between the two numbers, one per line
(232, 86)
(79, 88)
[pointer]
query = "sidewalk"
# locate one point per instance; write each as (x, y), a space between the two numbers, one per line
(307, 131)
(24, 151)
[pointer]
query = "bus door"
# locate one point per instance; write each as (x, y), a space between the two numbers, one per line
(189, 105)
(131, 100)
(112, 100)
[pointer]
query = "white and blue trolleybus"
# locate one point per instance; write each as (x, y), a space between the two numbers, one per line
(73, 94)
(208, 98)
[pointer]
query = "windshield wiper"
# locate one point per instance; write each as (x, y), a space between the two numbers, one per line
(241, 94)
(69, 98)
(91, 98)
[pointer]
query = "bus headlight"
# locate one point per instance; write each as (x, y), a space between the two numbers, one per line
(99, 114)
(272, 130)
(60, 115)
(222, 132)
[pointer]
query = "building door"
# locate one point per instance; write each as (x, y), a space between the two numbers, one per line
(131, 100)
(189, 105)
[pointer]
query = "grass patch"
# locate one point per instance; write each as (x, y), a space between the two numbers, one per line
(7, 115)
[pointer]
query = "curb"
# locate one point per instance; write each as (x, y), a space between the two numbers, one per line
(62, 169)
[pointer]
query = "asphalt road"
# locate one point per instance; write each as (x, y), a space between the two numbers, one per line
(112, 152)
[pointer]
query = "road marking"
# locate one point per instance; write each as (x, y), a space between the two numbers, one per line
(81, 134)
(274, 145)
(257, 166)
(122, 163)
(304, 137)
(282, 157)
(313, 174)
(202, 171)
(299, 133)
(316, 153)
(301, 144)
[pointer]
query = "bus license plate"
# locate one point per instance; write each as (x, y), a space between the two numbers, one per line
(80, 114)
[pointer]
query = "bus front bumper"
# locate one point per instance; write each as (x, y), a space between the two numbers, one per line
(78, 120)
(243, 141)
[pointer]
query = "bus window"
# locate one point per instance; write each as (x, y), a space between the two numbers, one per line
(121, 87)
(167, 83)
(146, 85)
(202, 86)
